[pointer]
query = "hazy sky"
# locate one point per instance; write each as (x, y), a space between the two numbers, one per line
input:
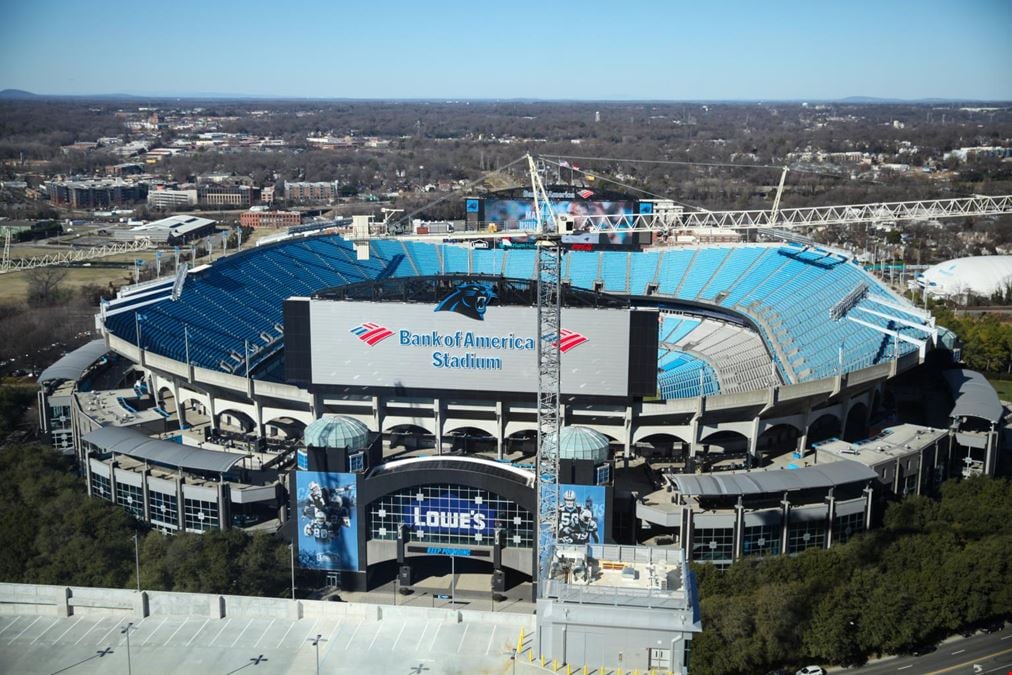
(814, 49)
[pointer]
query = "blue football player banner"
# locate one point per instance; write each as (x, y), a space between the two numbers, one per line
(581, 514)
(327, 527)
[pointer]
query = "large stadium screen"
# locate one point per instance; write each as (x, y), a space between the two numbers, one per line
(461, 343)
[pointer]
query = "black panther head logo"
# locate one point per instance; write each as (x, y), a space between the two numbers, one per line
(469, 299)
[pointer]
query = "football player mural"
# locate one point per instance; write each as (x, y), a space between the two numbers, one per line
(328, 537)
(581, 514)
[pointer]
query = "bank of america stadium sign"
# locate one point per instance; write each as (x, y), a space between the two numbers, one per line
(373, 333)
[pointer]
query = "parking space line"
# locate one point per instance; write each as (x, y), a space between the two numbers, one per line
(421, 637)
(199, 631)
(23, 631)
(291, 625)
(175, 632)
(960, 651)
(97, 624)
(115, 625)
(311, 633)
(55, 621)
(432, 642)
(242, 632)
(266, 630)
(379, 629)
(353, 634)
(463, 637)
(223, 627)
(488, 650)
(331, 640)
(148, 638)
(1006, 637)
(72, 627)
(399, 634)
(905, 667)
(16, 619)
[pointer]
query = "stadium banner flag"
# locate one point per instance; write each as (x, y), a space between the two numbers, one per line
(327, 527)
(581, 514)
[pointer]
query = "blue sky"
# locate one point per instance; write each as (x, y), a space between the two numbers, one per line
(544, 49)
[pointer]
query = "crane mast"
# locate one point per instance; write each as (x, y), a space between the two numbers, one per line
(549, 268)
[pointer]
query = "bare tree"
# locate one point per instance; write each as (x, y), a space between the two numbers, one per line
(44, 285)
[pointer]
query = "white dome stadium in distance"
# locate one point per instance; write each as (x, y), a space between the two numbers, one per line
(980, 275)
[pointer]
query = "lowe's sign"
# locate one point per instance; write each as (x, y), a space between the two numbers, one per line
(450, 514)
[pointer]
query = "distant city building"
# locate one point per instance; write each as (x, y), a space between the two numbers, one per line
(171, 230)
(267, 194)
(86, 194)
(171, 199)
(311, 192)
(258, 219)
(241, 196)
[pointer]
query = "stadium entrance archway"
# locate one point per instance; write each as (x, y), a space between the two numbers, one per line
(856, 427)
(778, 439)
(410, 436)
(470, 440)
(662, 445)
(524, 441)
(284, 428)
(826, 426)
(234, 420)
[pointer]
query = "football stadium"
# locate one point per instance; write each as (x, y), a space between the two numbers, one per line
(717, 401)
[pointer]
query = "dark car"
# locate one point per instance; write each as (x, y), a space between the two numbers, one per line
(994, 627)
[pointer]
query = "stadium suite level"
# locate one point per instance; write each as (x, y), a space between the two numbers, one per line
(747, 380)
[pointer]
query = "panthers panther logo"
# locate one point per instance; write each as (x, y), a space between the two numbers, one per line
(470, 299)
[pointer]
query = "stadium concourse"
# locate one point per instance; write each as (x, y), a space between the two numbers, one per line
(783, 374)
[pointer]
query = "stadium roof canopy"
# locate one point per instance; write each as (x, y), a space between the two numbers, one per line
(73, 365)
(134, 444)
(980, 275)
(973, 395)
(773, 482)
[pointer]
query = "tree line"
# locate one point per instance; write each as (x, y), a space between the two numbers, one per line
(933, 569)
(52, 532)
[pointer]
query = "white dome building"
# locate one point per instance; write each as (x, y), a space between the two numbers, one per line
(980, 275)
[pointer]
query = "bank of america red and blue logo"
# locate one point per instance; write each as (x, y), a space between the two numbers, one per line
(371, 333)
(568, 339)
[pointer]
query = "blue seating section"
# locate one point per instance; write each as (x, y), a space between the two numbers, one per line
(235, 306)
(644, 268)
(674, 328)
(227, 309)
(703, 268)
(614, 271)
(681, 376)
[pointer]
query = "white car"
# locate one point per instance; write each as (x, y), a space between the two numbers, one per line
(811, 670)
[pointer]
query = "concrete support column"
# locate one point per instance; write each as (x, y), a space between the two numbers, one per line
(687, 531)
(920, 471)
(991, 452)
(258, 418)
(377, 412)
(147, 495)
(868, 496)
(694, 437)
(438, 415)
(627, 431)
(180, 501)
(224, 506)
(785, 523)
(830, 517)
(87, 471)
(179, 404)
(753, 440)
(500, 429)
(212, 409)
(112, 479)
(739, 530)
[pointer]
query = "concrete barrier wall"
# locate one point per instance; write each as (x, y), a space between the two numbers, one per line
(68, 601)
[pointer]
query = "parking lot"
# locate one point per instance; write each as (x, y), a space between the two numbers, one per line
(95, 643)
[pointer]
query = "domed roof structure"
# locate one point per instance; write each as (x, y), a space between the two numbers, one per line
(583, 443)
(981, 275)
(336, 432)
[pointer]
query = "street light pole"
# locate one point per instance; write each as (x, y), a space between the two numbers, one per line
(316, 643)
(137, 561)
(292, 547)
(453, 580)
(126, 631)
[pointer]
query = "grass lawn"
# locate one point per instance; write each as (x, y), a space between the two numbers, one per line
(1004, 389)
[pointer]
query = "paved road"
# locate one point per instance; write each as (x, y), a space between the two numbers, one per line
(197, 646)
(957, 657)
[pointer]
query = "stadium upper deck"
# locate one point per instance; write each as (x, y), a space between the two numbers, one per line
(810, 313)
